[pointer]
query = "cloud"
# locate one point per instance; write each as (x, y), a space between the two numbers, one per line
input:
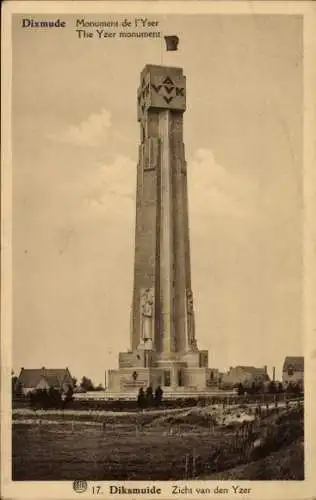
(212, 189)
(112, 187)
(89, 132)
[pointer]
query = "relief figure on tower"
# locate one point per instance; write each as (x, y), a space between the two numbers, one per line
(181, 166)
(151, 153)
(147, 313)
(190, 320)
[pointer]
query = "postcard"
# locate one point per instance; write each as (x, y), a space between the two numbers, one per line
(158, 250)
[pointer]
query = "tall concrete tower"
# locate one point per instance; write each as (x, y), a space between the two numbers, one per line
(163, 345)
(162, 249)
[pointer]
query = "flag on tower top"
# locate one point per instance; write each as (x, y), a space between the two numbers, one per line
(172, 42)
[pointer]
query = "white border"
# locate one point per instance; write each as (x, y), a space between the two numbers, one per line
(261, 490)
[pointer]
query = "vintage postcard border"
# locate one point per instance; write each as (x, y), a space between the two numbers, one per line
(260, 490)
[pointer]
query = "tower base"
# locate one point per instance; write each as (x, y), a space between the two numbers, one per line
(176, 373)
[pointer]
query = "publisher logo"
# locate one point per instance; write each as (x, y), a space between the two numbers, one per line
(79, 486)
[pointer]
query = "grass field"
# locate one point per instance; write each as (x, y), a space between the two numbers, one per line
(58, 452)
(144, 447)
(284, 464)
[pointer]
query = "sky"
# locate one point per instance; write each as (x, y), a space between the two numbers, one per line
(75, 142)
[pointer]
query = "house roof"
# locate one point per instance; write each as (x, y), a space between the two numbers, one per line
(251, 369)
(54, 376)
(256, 372)
(295, 362)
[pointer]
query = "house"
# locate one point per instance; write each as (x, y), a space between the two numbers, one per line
(293, 371)
(44, 378)
(245, 375)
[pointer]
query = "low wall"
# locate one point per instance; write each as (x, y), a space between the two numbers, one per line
(131, 404)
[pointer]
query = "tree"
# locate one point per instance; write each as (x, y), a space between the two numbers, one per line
(296, 389)
(16, 386)
(74, 381)
(69, 394)
(252, 389)
(43, 398)
(272, 387)
(280, 387)
(290, 388)
(86, 384)
(14, 379)
(18, 390)
(259, 387)
(99, 388)
(240, 389)
(54, 399)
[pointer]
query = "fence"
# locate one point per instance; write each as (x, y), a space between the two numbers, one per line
(129, 405)
(250, 442)
(205, 450)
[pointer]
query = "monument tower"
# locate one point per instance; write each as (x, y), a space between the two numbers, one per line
(163, 345)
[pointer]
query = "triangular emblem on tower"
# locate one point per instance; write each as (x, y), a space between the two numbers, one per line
(168, 99)
(168, 81)
(156, 87)
(168, 89)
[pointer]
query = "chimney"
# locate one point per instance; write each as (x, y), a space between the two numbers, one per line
(273, 374)
(265, 369)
